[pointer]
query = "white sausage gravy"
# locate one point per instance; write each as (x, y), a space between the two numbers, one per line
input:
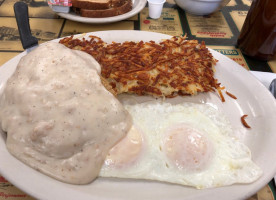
(58, 116)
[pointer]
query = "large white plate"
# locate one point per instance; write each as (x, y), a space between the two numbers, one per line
(138, 5)
(253, 99)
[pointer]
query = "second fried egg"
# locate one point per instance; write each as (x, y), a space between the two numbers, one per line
(187, 144)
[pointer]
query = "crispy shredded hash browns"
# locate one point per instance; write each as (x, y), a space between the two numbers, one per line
(172, 67)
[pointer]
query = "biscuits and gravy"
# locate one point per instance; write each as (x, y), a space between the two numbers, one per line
(58, 116)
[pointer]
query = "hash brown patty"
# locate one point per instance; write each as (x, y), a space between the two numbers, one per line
(174, 66)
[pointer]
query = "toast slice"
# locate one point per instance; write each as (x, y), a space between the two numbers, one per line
(113, 11)
(101, 8)
(91, 4)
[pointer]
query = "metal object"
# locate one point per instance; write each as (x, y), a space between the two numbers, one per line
(22, 19)
(272, 89)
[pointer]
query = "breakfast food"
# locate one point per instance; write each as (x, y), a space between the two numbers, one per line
(58, 116)
(186, 143)
(172, 67)
(244, 122)
(61, 119)
(101, 8)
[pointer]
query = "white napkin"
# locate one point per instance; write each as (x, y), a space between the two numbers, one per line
(264, 77)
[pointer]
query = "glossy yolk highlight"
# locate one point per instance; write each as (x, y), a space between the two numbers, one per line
(127, 151)
(187, 148)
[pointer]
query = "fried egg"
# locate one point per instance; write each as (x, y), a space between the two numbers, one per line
(188, 144)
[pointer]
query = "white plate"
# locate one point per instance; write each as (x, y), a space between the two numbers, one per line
(253, 99)
(138, 5)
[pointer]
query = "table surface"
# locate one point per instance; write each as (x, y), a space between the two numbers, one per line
(219, 30)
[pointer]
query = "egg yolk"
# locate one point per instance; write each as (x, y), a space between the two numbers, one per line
(187, 148)
(126, 152)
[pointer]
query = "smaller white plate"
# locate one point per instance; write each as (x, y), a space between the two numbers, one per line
(138, 5)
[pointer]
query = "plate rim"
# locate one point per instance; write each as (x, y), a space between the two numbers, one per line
(35, 193)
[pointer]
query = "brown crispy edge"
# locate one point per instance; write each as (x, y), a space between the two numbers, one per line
(90, 5)
(126, 7)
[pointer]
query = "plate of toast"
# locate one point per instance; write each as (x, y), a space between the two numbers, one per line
(103, 11)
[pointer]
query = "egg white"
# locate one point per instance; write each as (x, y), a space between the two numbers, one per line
(187, 144)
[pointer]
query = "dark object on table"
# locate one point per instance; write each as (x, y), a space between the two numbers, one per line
(272, 87)
(22, 19)
(258, 34)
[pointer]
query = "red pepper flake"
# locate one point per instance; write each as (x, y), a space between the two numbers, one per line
(231, 95)
(244, 122)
